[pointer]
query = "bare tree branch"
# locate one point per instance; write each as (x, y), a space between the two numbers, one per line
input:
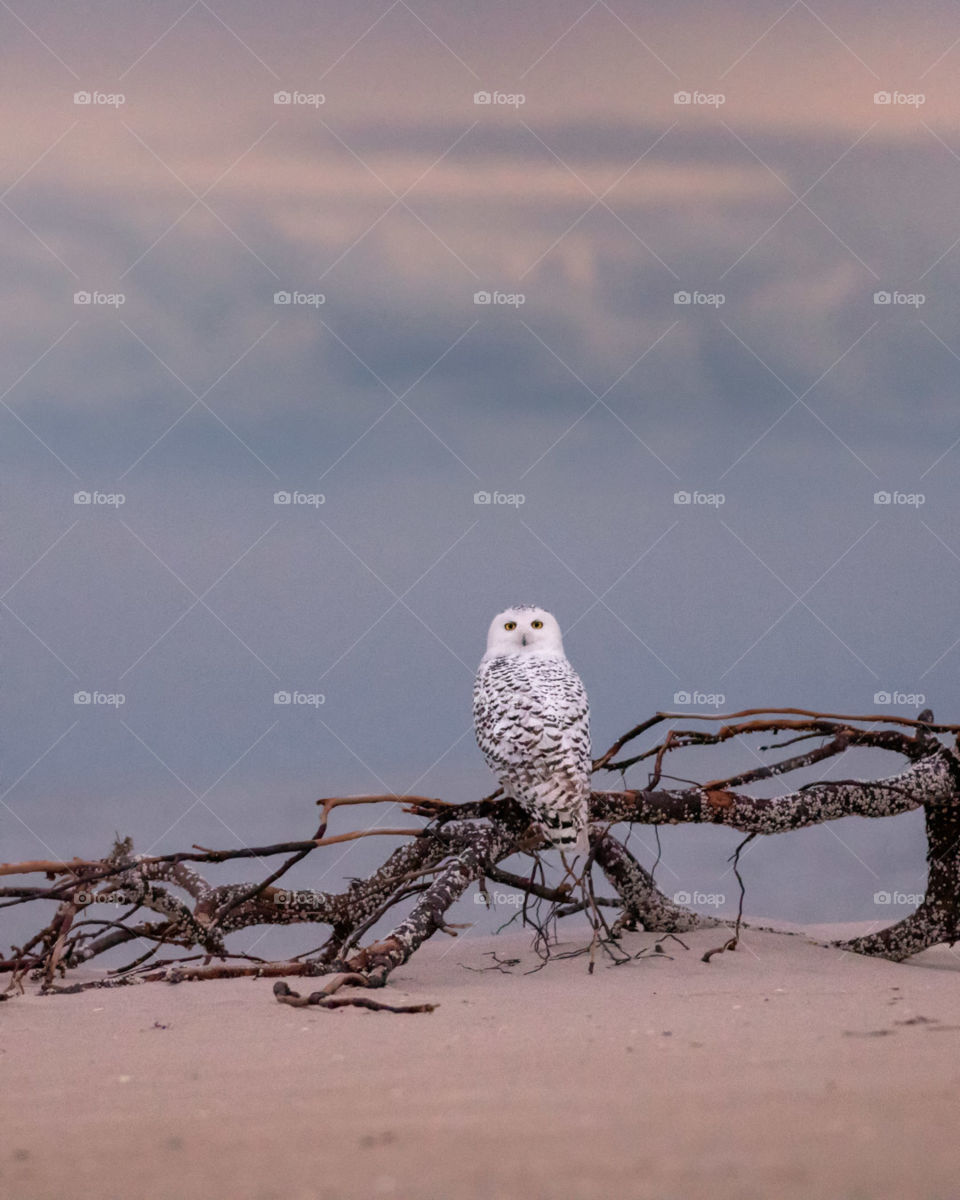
(460, 844)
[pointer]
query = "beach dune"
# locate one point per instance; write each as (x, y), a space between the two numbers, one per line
(783, 1069)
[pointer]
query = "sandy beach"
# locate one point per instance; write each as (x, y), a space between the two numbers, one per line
(781, 1070)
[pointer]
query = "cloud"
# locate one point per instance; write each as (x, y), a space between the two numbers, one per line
(398, 397)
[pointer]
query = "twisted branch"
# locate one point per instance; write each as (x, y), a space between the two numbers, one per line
(460, 844)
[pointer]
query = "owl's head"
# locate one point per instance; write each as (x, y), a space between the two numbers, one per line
(524, 629)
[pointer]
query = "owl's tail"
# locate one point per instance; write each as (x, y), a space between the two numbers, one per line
(566, 833)
(561, 808)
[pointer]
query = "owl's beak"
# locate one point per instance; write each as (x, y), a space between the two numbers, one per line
(523, 639)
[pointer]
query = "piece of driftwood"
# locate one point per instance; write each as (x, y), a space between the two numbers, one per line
(174, 910)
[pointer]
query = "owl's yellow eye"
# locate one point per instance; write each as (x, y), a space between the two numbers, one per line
(536, 624)
(510, 625)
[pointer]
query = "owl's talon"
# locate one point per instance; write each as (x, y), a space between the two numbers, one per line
(531, 840)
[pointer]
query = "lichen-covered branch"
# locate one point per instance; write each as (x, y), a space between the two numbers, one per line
(937, 920)
(644, 905)
(930, 781)
(474, 846)
(459, 844)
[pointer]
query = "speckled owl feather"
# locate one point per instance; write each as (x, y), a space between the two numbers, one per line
(532, 722)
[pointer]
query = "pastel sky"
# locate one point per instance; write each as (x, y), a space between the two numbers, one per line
(814, 172)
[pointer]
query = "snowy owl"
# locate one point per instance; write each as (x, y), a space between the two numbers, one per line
(532, 723)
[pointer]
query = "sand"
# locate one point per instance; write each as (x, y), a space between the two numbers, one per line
(781, 1070)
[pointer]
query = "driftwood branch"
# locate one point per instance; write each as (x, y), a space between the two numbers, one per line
(457, 845)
